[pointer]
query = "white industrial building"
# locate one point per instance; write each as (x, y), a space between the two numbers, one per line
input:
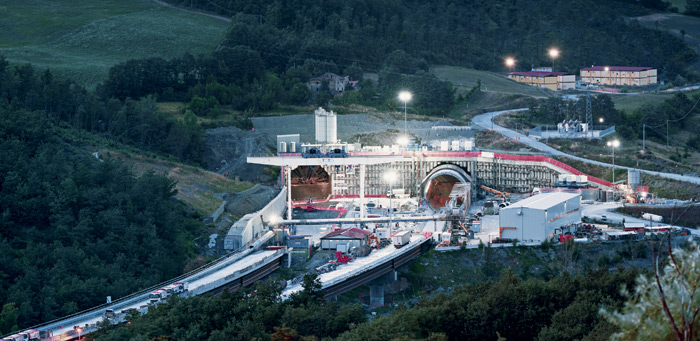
(537, 217)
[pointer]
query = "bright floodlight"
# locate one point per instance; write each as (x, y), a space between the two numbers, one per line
(601, 120)
(405, 96)
(553, 53)
(390, 176)
(403, 140)
(274, 220)
(607, 69)
(614, 143)
(510, 62)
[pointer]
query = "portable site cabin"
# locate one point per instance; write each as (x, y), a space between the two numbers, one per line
(345, 239)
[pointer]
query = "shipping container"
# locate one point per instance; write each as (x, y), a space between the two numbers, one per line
(402, 238)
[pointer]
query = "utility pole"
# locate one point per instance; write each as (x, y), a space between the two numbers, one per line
(589, 111)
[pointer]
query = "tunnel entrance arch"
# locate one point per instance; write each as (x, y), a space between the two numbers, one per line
(310, 182)
(438, 184)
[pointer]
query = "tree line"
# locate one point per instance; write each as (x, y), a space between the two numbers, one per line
(564, 307)
(475, 34)
(75, 229)
(133, 121)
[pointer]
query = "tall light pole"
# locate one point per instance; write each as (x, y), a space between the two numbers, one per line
(405, 96)
(614, 144)
(553, 53)
(79, 330)
(390, 177)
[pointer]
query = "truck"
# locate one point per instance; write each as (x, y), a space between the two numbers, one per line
(401, 238)
(652, 217)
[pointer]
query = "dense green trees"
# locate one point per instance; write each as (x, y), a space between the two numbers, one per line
(561, 308)
(477, 34)
(130, 121)
(243, 315)
(74, 229)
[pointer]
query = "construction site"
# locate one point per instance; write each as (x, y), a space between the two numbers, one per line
(362, 205)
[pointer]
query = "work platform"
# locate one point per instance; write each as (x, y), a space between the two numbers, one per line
(296, 160)
(364, 269)
(351, 221)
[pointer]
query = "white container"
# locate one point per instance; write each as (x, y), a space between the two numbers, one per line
(652, 217)
(402, 238)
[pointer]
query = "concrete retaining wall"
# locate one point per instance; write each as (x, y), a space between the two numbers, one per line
(253, 224)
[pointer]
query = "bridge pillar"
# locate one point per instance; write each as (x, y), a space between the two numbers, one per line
(376, 288)
(376, 295)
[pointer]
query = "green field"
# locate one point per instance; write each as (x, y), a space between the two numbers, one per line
(467, 78)
(84, 38)
(631, 102)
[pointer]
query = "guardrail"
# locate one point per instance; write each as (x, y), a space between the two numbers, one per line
(234, 256)
(238, 273)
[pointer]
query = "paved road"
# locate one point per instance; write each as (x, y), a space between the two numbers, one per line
(485, 121)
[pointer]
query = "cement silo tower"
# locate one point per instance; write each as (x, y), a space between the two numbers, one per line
(326, 126)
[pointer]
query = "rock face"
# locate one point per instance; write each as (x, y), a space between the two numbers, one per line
(251, 200)
(228, 147)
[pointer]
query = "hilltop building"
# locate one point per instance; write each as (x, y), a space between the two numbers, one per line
(336, 83)
(545, 78)
(618, 75)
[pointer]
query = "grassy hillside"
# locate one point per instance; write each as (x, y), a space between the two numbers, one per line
(676, 24)
(195, 186)
(84, 38)
(466, 78)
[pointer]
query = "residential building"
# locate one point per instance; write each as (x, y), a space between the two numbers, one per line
(545, 79)
(619, 75)
(336, 83)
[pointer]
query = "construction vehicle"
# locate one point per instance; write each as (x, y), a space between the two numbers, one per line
(496, 192)
(342, 258)
(373, 241)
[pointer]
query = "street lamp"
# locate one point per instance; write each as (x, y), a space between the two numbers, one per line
(553, 53)
(390, 177)
(614, 144)
(79, 330)
(405, 96)
(601, 120)
(510, 62)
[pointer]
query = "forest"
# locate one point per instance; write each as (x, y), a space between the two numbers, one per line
(75, 229)
(272, 48)
(564, 307)
(473, 34)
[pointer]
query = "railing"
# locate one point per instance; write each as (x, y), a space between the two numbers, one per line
(372, 265)
(69, 319)
(238, 273)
